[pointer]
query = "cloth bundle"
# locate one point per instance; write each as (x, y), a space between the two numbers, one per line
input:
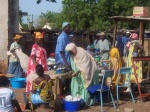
(24, 59)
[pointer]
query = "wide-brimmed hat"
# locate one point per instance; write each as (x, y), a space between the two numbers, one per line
(102, 33)
(39, 35)
(16, 37)
(64, 24)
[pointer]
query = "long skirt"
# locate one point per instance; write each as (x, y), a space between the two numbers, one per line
(77, 86)
(15, 69)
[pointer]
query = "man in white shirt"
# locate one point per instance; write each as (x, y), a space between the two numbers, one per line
(103, 45)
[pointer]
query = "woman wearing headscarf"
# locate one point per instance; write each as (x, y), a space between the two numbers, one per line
(134, 49)
(116, 64)
(14, 62)
(85, 72)
(38, 56)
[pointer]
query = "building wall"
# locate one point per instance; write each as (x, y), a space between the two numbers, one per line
(9, 24)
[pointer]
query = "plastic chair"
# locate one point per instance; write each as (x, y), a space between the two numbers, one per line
(124, 71)
(107, 73)
(103, 87)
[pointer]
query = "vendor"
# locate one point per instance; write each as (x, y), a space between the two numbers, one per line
(85, 72)
(38, 56)
(14, 66)
(135, 49)
(62, 58)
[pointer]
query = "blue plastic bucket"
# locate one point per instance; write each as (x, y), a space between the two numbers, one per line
(17, 82)
(71, 106)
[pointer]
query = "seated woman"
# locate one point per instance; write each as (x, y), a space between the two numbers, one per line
(42, 87)
(115, 63)
(85, 72)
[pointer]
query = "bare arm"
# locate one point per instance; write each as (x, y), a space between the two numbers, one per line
(63, 57)
(139, 46)
(76, 73)
(16, 104)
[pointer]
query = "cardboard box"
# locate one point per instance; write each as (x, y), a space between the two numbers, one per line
(141, 11)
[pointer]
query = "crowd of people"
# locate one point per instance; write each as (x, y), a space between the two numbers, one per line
(81, 62)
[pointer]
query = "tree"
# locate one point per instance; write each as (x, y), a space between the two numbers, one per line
(39, 1)
(94, 14)
(49, 17)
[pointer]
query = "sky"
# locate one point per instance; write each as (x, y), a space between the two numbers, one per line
(32, 7)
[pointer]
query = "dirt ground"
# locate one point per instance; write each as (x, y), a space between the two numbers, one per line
(125, 103)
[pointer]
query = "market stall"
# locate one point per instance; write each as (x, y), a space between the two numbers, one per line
(142, 23)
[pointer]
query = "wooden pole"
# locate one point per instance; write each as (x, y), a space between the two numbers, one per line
(141, 32)
(115, 32)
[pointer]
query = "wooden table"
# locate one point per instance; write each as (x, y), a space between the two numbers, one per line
(56, 78)
(146, 58)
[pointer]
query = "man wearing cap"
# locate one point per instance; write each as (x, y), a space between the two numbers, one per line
(103, 45)
(62, 58)
(14, 64)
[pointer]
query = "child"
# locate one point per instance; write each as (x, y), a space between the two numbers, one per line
(7, 98)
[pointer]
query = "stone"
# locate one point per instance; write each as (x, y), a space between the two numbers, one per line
(128, 110)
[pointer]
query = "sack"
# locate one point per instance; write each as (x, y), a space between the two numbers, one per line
(24, 59)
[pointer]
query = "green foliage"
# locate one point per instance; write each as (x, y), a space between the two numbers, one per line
(39, 1)
(49, 17)
(94, 14)
(91, 14)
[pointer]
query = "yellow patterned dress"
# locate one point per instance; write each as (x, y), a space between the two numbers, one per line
(138, 65)
(116, 65)
(43, 92)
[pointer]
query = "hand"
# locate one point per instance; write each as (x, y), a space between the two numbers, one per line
(70, 73)
(75, 74)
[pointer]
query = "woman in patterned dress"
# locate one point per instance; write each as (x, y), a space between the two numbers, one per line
(38, 56)
(134, 47)
(42, 87)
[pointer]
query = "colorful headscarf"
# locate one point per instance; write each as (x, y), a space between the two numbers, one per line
(39, 35)
(116, 63)
(134, 36)
(16, 37)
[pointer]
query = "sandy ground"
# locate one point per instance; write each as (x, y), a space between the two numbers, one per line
(126, 103)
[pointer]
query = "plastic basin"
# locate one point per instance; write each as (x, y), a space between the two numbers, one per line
(17, 82)
(71, 106)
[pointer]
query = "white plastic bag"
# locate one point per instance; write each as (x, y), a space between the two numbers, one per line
(69, 98)
(24, 59)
